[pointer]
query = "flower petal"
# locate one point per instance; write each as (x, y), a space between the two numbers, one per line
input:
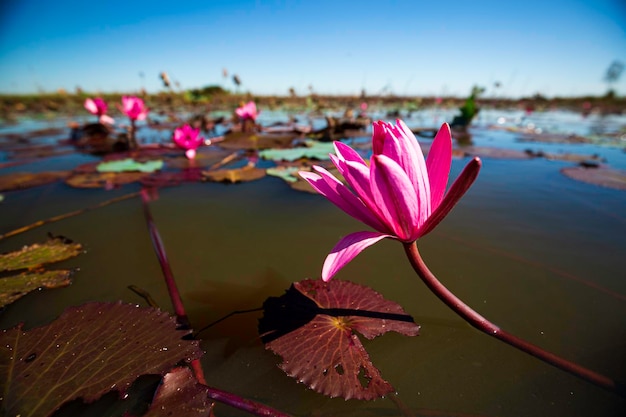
(438, 163)
(350, 203)
(335, 195)
(91, 107)
(104, 119)
(346, 153)
(457, 190)
(411, 159)
(395, 196)
(347, 249)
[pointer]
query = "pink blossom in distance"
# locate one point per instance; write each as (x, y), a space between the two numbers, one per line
(400, 195)
(247, 111)
(98, 107)
(189, 139)
(134, 108)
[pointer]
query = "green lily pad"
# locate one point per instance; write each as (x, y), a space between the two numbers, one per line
(129, 164)
(33, 256)
(312, 150)
(287, 173)
(15, 287)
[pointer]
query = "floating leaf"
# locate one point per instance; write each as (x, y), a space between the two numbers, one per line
(499, 153)
(88, 351)
(605, 177)
(180, 394)
(129, 165)
(33, 256)
(104, 179)
(288, 174)
(312, 327)
(244, 174)
(169, 178)
(312, 150)
(552, 138)
(241, 140)
(205, 157)
(21, 180)
(573, 157)
(15, 287)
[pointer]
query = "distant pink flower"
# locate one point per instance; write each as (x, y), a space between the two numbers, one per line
(247, 111)
(134, 108)
(399, 194)
(98, 107)
(189, 139)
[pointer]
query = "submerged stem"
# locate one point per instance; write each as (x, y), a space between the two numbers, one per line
(159, 249)
(481, 323)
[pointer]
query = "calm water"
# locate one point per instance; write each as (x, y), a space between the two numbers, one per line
(539, 254)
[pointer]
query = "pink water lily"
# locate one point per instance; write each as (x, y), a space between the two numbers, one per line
(400, 195)
(98, 107)
(247, 111)
(134, 108)
(189, 139)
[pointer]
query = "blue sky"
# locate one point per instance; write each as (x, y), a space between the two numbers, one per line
(409, 47)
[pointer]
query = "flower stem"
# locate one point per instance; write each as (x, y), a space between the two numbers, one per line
(131, 136)
(244, 404)
(484, 325)
(159, 249)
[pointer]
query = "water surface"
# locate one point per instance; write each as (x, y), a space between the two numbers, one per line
(538, 253)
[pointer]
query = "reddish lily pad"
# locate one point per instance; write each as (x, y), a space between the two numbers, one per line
(88, 351)
(204, 159)
(499, 153)
(169, 178)
(312, 327)
(39, 151)
(552, 138)
(251, 141)
(104, 179)
(602, 176)
(180, 394)
(34, 256)
(244, 174)
(15, 287)
(21, 180)
(573, 157)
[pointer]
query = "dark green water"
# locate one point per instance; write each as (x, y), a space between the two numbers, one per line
(537, 253)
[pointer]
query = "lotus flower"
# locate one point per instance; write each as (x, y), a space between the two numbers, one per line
(399, 194)
(134, 108)
(98, 107)
(189, 139)
(247, 111)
